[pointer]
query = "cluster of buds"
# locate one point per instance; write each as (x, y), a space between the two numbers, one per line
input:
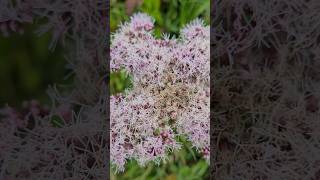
(170, 95)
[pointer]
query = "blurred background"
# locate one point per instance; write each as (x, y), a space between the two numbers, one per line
(170, 16)
(27, 66)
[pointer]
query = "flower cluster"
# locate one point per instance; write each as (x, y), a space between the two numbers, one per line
(170, 95)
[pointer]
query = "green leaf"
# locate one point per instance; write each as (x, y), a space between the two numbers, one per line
(57, 121)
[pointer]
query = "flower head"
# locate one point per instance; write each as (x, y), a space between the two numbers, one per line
(170, 95)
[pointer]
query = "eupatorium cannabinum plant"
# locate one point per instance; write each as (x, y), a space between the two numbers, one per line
(170, 94)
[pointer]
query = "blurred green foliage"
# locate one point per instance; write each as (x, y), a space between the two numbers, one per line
(27, 67)
(182, 165)
(119, 81)
(170, 17)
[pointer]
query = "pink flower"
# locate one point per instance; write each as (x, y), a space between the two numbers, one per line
(170, 91)
(141, 21)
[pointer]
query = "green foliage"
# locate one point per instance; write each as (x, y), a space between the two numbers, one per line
(170, 15)
(119, 81)
(56, 121)
(117, 14)
(27, 67)
(183, 165)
